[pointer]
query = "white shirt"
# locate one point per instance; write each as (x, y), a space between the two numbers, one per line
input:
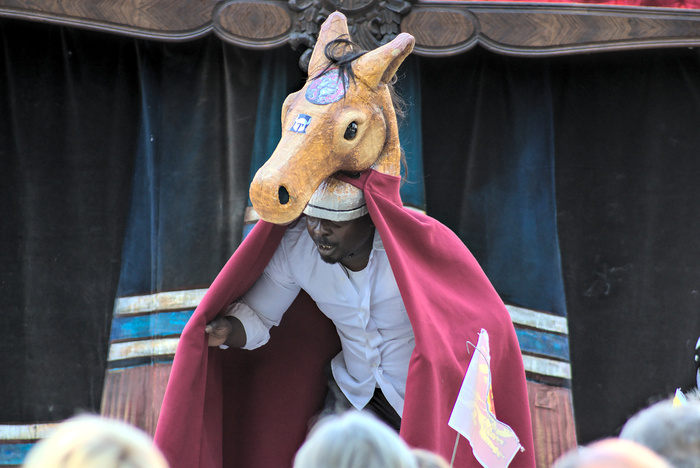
(366, 307)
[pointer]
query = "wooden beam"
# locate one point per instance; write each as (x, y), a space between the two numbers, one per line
(172, 20)
(441, 28)
(534, 29)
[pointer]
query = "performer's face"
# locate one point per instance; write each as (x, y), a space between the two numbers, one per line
(347, 242)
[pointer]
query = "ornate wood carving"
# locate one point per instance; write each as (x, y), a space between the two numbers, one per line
(547, 29)
(158, 19)
(441, 28)
(262, 24)
(371, 22)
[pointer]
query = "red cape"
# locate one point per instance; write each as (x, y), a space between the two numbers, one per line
(252, 408)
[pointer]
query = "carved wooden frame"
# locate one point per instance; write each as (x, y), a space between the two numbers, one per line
(441, 28)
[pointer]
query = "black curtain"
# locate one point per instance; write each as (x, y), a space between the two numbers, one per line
(622, 132)
(68, 132)
(110, 148)
(627, 171)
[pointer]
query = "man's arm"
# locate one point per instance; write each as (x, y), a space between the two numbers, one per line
(242, 326)
(227, 331)
(262, 307)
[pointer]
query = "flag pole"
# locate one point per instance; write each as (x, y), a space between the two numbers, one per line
(454, 452)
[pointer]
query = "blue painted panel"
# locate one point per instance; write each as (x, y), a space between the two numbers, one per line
(13, 454)
(247, 228)
(547, 344)
(146, 326)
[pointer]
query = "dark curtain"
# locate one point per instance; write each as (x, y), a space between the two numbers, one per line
(615, 136)
(489, 167)
(68, 132)
(110, 148)
(627, 171)
(197, 111)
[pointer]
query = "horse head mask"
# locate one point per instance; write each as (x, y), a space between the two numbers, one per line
(335, 123)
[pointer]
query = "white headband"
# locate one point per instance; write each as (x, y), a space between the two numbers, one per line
(336, 200)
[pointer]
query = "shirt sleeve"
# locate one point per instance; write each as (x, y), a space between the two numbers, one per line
(263, 306)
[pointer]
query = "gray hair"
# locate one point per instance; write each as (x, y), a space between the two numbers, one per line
(671, 431)
(354, 440)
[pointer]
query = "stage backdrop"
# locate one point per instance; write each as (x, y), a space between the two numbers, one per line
(124, 167)
(615, 137)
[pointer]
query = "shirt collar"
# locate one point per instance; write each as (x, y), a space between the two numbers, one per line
(377, 243)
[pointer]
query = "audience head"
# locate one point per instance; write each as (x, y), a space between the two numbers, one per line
(611, 453)
(90, 441)
(428, 459)
(354, 440)
(671, 431)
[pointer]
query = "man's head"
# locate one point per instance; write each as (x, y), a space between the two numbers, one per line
(611, 453)
(348, 242)
(354, 440)
(91, 441)
(672, 431)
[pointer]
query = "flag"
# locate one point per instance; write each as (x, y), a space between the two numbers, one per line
(494, 443)
(679, 399)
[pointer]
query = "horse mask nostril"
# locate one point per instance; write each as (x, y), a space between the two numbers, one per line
(283, 195)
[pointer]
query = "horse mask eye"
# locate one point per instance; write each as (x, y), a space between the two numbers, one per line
(351, 131)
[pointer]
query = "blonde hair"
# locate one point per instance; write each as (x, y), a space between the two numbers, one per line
(90, 441)
(354, 440)
(429, 459)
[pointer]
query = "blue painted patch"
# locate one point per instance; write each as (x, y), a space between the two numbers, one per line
(300, 123)
(327, 88)
(131, 363)
(147, 326)
(546, 344)
(13, 454)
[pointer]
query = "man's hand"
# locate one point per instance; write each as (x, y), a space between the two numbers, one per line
(219, 330)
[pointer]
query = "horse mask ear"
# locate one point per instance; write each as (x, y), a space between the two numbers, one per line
(380, 65)
(334, 27)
